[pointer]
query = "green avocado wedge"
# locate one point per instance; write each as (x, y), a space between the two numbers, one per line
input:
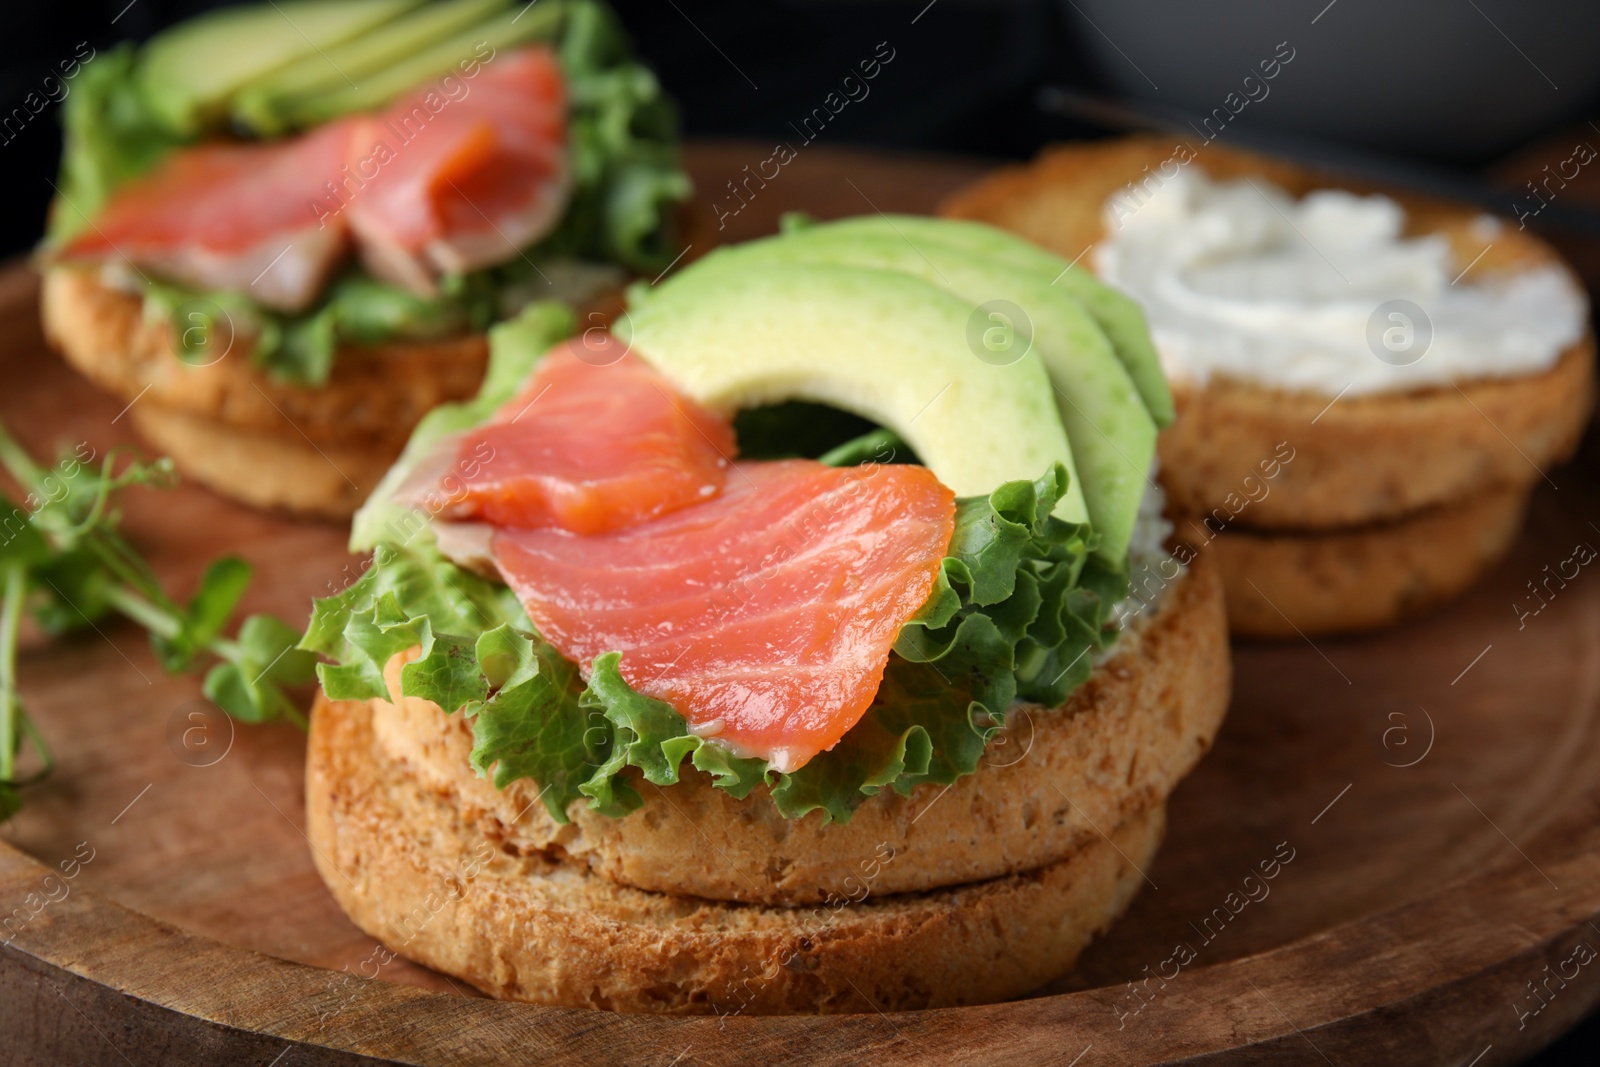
(464, 52)
(1119, 316)
(886, 345)
(270, 104)
(187, 75)
(1112, 436)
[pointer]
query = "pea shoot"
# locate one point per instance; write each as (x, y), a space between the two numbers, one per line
(64, 562)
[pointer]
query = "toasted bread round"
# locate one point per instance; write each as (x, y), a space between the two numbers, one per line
(1369, 459)
(412, 872)
(1364, 459)
(374, 393)
(1366, 577)
(315, 451)
(279, 470)
(1119, 745)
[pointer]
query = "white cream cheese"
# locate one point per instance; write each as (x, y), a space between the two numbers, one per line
(1151, 570)
(1240, 279)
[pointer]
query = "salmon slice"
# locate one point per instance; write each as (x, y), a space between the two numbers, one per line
(255, 218)
(765, 616)
(595, 440)
(460, 174)
(463, 173)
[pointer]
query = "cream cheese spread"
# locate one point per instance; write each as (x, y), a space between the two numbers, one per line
(1324, 293)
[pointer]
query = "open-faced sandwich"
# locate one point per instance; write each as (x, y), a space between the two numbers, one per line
(1368, 385)
(808, 643)
(281, 229)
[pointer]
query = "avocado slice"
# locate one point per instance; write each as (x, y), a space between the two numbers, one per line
(187, 75)
(1119, 316)
(1112, 435)
(477, 44)
(267, 104)
(883, 344)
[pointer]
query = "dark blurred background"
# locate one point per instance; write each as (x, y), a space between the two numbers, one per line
(1468, 97)
(1473, 98)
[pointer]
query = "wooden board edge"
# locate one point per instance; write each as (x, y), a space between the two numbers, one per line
(1437, 980)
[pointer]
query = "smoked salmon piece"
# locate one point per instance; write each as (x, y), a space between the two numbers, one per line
(596, 440)
(462, 173)
(247, 217)
(765, 615)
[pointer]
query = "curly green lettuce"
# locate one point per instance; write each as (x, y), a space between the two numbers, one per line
(1019, 607)
(627, 183)
(1021, 601)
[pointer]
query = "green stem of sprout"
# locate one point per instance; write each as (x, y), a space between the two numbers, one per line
(88, 526)
(163, 622)
(10, 706)
(17, 461)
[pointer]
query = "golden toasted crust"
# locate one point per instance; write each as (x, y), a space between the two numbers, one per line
(1370, 458)
(278, 470)
(1363, 459)
(1118, 746)
(410, 871)
(374, 394)
(1286, 584)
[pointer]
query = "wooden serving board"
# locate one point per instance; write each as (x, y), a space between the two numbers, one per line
(1438, 788)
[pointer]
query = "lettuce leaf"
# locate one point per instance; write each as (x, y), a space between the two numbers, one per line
(299, 349)
(533, 717)
(1020, 605)
(1021, 601)
(476, 655)
(108, 136)
(623, 141)
(1018, 608)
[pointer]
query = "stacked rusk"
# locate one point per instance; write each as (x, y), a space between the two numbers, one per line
(658, 696)
(700, 903)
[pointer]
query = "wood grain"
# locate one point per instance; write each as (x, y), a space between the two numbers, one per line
(1419, 903)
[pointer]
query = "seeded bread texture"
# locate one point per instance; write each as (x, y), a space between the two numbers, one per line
(1366, 577)
(1369, 459)
(413, 873)
(269, 469)
(1119, 745)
